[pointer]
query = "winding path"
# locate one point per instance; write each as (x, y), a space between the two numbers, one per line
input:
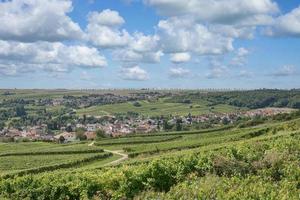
(118, 152)
(115, 162)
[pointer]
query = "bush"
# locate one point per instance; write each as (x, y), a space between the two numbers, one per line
(137, 104)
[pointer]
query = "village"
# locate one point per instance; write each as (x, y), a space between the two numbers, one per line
(113, 127)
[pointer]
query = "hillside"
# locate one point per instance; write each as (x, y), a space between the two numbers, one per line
(259, 162)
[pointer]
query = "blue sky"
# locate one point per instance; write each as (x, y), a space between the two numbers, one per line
(150, 43)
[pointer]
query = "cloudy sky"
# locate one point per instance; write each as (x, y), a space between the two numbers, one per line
(149, 43)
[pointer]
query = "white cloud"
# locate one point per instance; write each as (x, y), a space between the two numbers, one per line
(130, 56)
(103, 29)
(37, 20)
(178, 72)
(140, 49)
(85, 76)
(286, 25)
(217, 72)
(107, 37)
(240, 57)
(287, 70)
(144, 43)
(245, 74)
(8, 69)
(134, 73)
(184, 35)
(217, 69)
(180, 57)
(106, 18)
(244, 32)
(242, 52)
(209, 27)
(54, 57)
(218, 11)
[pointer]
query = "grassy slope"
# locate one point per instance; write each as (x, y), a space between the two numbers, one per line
(156, 108)
(204, 140)
(16, 163)
(244, 152)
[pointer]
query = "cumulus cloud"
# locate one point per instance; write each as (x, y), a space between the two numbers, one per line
(133, 57)
(144, 43)
(140, 49)
(178, 72)
(37, 20)
(217, 72)
(221, 11)
(106, 18)
(8, 69)
(107, 37)
(103, 29)
(180, 57)
(286, 25)
(32, 35)
(240, 57)
(243, 32)
(217, 69)
(184, 35)
(85, 76)
(134, 73)
(54, 57)
(287, 70)
(245, 74)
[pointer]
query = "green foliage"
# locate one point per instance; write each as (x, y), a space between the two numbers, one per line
(223, 163)
(251, 99)
(79, 160)
(136, 140)
(245, 171)
(101, 134)
(20, 111)
(137, 104)
(80, 134)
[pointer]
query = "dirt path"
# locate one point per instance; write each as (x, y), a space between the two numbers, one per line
(119, 152)
(115, 162)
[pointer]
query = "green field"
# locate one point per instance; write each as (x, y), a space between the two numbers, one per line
(15, 163)
(157, 108)
(40, 94)
(259, 162)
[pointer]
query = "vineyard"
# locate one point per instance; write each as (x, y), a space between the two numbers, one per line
(260, 162)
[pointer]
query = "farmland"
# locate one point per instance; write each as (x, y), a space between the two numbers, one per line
(149, 100)
(157, 108)
(201, 145)
(160, 164)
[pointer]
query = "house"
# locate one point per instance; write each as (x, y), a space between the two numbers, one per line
(79, 126)
(48, 137)
(142, 129)
(91, 127)
(13, 133)
(108, 129)
(90, 135)
(57, 102)
(69, 137)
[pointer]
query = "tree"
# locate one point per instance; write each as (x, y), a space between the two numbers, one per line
(69, 128)
(225, 121)
(20, 111)
(84, 118)
(178, 125)
(100, 133)
(61, 139)
(80, 134)
(166, 125)
(2, 125)
(158, 125)
(137, 104)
